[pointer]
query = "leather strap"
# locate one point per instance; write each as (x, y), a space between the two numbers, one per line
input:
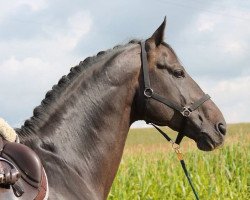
(43, 189)
(198, 103)
(183, 165)
(162, 133)
(145, 66)
(179, 138)
(165, 101)
(181, 133)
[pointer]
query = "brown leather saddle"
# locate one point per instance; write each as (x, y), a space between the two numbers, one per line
(22, 176)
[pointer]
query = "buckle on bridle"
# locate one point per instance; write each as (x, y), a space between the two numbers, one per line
(186, 112)
(148, 92)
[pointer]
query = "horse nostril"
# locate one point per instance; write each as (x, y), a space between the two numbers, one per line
(221, 128)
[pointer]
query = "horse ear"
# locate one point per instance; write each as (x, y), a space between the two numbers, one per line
(158, 36)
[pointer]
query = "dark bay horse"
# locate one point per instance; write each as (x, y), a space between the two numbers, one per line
(80, 128)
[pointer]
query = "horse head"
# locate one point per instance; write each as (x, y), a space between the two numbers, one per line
(206, 124)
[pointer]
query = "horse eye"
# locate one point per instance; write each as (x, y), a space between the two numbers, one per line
(161, 66)
(179, 73)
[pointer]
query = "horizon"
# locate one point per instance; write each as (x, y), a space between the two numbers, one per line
(40, 41)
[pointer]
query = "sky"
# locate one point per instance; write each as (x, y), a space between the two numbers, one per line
(41, 40)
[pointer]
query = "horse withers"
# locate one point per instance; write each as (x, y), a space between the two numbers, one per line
(81, 126)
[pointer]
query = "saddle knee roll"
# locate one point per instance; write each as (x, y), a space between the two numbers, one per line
(26, 161)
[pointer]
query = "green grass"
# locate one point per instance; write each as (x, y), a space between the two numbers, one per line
(150, 170)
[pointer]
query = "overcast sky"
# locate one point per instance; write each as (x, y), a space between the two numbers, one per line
(41, 39)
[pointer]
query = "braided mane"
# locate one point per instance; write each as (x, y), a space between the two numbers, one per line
(42, 111)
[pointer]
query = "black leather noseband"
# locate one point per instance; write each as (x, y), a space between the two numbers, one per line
(150, 94)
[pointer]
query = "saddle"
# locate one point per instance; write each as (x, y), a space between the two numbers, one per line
(22, 176)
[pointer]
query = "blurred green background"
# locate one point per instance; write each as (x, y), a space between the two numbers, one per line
(150, 169)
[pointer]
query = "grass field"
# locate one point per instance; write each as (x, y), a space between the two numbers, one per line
(150, 170)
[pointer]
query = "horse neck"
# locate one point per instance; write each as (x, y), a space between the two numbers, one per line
(83, 138)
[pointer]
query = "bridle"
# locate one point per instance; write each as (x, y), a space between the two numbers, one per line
(185, 111)
(149, 93)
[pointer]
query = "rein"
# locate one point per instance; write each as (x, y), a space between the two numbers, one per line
(186, 111)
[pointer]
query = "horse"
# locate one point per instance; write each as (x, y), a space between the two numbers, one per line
(80, 128)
